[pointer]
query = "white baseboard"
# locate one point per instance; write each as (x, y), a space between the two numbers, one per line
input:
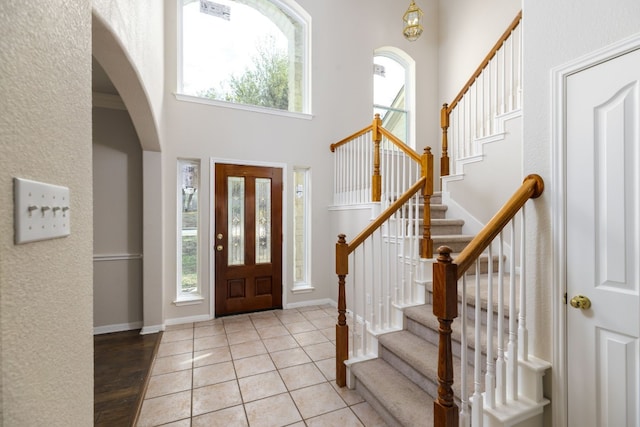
(107, 329)
(312, 302)
(153, 329)
(188, 319)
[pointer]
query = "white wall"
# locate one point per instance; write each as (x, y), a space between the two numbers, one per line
(117, 221)
(46, 287)
(345, 35)
(489, 183)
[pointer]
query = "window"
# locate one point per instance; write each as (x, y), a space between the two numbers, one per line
(392, 92)
(250, 52)
(188, 242)
(301, 230)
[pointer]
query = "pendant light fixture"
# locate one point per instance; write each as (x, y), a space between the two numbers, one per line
(412, 22)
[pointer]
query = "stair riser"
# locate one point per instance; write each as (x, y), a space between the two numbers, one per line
(455, 246)
(440, 230)
(471, 311)
(433, 337)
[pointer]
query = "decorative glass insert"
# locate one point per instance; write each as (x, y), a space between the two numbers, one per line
(251, 52)
(263, 220)
(188, 183)
(301, 223)
(235, 220)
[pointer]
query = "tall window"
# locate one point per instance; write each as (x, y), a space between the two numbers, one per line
(251, 52)
(392, 92)
(187, 265)
(301, 229)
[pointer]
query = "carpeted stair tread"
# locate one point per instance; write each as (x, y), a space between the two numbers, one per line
(407, 403)
(417, 360)
(420, 354)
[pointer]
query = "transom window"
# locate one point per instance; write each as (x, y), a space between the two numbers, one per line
(251, 52)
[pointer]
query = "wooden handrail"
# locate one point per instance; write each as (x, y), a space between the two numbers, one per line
(385, 215)
(485, 61)
(531, 188)
(401, 145)
(361, 132)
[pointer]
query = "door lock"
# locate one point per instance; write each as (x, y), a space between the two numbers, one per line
(581, 302)
(219, 248)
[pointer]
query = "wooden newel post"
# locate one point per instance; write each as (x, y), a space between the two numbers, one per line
(444, 124)
(445, 308)
(426, 244)
(376, 179)
(342, 329)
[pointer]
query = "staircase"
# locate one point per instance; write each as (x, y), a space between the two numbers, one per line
(406, 319)
(401, 383)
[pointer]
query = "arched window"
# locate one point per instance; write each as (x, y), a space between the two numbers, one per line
(251, 52)
(393, 93)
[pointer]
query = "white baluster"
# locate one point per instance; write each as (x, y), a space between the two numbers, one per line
(464, 356)
(490, 376)
(523, 333)
(512, 348)
(500, 362)
(477, 404)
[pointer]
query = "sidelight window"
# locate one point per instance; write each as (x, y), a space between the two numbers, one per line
(188, 230)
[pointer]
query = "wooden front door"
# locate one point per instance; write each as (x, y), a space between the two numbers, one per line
(248, 238)
(603, 243)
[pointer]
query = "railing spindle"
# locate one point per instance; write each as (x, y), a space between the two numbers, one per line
(490, 376)
(477, 401)
(523, 334)
(500, 362)
(512, 348)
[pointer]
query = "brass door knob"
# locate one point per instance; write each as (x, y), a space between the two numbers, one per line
(581, 302)
(219, 248)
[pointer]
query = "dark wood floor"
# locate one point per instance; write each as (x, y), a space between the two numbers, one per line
(121, 363)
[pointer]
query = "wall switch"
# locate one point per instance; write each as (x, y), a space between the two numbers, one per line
(41, 211)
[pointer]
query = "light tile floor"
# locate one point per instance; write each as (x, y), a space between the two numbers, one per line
(274, 368)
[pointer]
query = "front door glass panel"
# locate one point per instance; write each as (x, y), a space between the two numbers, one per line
(263, 220)
(236, 220)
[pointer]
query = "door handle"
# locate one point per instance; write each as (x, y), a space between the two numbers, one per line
(581, 302)
(219, 248)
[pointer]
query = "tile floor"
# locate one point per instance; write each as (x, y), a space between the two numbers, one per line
(274, 368)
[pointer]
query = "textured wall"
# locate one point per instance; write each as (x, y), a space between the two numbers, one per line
(46, 287)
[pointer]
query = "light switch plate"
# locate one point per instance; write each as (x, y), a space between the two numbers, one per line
(41, 211)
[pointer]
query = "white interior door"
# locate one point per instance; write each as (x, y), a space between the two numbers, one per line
(603, 242)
